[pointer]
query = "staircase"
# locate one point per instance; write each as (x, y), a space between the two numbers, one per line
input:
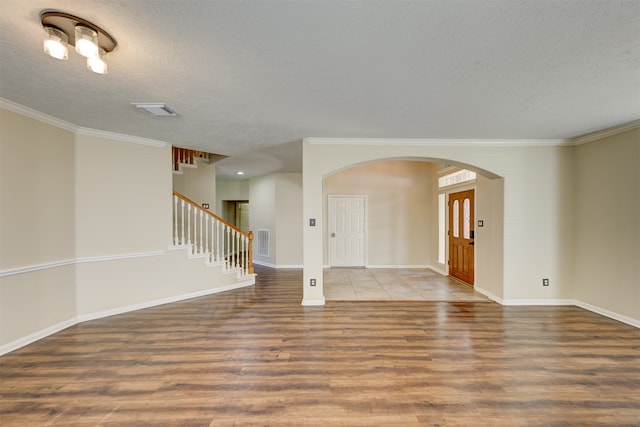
(184, 157)
(211, 237)
(205, 235)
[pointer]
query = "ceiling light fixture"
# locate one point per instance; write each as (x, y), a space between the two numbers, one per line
(91, 41)
(240, 173)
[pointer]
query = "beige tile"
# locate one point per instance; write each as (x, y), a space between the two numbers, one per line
(395, 284)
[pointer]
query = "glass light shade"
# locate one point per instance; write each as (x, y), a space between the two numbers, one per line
(55, 43)
(86, 41)
(97, 64)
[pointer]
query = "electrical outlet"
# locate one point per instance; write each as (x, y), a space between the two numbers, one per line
(312, 282)
(545, 282)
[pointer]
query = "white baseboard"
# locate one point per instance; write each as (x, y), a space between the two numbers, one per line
(14, 345)
(538, 302)
(21, 342)
(162, 301)
(489, 295)
(399, 266)
(277, 266)
(313, 302)
(609, 314)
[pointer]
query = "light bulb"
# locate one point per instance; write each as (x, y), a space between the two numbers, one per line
(97, 64)
(55, 43)
(86, 41)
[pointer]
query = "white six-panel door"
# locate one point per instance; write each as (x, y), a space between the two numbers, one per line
(347, 230)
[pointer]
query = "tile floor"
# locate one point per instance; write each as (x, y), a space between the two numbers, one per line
(341, 284)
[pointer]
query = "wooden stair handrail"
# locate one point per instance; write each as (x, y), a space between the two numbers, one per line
(248, 235)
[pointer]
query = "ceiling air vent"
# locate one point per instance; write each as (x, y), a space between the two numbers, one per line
(156, 109)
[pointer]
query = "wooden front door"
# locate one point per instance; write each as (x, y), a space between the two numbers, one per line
(461, 235)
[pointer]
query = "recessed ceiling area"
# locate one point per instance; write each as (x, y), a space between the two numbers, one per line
(251, 79)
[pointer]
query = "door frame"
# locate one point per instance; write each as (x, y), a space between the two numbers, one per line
(366, 225)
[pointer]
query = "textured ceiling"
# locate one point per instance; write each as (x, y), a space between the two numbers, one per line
(252, 78)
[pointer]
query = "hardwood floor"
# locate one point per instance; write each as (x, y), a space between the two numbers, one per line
(257, 357)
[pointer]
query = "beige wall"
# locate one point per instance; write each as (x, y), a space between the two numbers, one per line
(489, 238)
(85, 228)
(123, 197)
(401, 210)
(37, 215)
(237, 190)
(262, 215)
(607, 224)
(37, 226)
(537, 207)
(275, 203)
(198, 183)
(288, 220)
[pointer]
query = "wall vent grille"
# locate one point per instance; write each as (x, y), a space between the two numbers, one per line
(262, 242)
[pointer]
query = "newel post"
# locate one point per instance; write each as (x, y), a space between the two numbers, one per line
(250, 252)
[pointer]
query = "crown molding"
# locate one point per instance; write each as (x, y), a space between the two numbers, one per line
(121, 137)
(75, 129)
(440, 142)
(37, 115)
(605, 133)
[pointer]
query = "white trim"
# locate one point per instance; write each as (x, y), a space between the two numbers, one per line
(489, 295)
(397, 266)
(32, 268)
(538, 302)
(37, 115)
(440, 142)
(313, 302)
(610, 314)
(55, 264)
(123, 256)
(78, 130)
(276, 266)
(121, 137)
(263, 263)
(604, 133)
(24, 341)
(438, 270)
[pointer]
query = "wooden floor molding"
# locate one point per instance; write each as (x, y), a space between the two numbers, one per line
(255, 357)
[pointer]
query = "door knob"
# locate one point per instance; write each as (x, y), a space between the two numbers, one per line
(472, 243)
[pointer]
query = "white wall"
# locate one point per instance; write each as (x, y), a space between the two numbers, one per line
(606, 224)
(402, 208)
(37, 226)
(537, 206)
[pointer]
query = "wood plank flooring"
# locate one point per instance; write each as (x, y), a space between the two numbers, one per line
(256, 357)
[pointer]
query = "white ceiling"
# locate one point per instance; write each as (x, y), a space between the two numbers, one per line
(250, 79)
